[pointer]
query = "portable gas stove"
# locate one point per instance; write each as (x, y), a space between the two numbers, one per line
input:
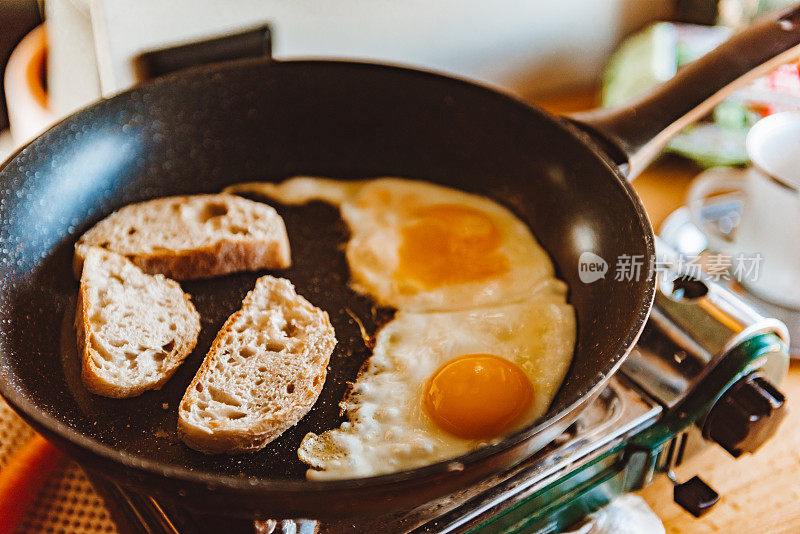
(703, 371)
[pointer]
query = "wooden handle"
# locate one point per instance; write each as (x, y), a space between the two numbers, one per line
(638, 131)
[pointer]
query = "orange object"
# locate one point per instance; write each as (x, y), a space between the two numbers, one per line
(477, 395)
(22, 477)
(450, 244)
(36, 70)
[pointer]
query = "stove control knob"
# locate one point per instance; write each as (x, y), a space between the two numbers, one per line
(746, 415)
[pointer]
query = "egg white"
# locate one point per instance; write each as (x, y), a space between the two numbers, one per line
(388, 429)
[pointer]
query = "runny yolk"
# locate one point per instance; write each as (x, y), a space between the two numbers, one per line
(477, 395)
(450, 244)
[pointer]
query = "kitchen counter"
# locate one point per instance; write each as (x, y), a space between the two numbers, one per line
(760, 492)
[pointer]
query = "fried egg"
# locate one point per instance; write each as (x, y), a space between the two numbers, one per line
(441, 384)
(482, 338)
(419, 246)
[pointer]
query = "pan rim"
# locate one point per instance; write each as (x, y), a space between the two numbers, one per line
(55, 427)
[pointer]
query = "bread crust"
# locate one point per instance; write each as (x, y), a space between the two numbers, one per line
(209, 262)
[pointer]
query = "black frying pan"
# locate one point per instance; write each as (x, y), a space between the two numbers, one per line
(203, 129)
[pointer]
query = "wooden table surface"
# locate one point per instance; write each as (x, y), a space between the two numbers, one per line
(760, 492)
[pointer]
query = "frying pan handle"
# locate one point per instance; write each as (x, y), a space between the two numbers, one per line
(636, 133)
(251, 43)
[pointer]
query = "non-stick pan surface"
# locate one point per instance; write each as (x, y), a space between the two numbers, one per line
(205, 129)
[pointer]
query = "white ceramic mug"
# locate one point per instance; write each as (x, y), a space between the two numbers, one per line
(768, 232)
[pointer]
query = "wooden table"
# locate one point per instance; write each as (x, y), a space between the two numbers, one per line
(761, 491)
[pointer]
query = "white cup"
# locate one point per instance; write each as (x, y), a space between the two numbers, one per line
(768, 232)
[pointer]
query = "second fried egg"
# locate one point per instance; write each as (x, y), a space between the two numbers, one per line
(523, 351)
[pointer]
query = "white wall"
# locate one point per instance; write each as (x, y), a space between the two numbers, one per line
(525, 46)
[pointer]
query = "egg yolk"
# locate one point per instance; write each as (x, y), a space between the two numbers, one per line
(477, 395)
(450, 244)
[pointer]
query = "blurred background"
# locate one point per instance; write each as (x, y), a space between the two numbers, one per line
(532, 49)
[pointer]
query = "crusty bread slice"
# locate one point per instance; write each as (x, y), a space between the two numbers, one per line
(196, 236)
(263, 372)
(133, 329)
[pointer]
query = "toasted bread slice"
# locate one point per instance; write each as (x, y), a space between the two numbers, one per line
(133, 329)
(263, 372)
(188, 237)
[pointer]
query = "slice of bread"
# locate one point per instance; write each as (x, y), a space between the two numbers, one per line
(188, 237)
(263, 372)
(133, 329)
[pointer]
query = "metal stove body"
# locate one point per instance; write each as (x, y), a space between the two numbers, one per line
(704, 371)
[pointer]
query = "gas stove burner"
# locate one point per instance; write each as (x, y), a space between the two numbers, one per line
(704, 371)
(682, 235)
